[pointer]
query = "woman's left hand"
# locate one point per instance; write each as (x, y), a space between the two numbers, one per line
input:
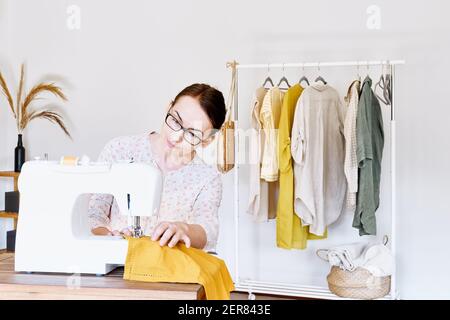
(170, 233)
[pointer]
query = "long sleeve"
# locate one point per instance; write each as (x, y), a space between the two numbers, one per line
(298, 143)
(270, 117)
(269, 167)
(206, 211)
(255, 156)
(350, 162)
(99, 207)
(363, 129)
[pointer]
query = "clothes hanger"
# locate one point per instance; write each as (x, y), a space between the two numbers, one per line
(357, 80)
(358, 76)
(385, 85)
(268, 79)
(303, 78)
(319, 77)
(367, 69)
(285, 80)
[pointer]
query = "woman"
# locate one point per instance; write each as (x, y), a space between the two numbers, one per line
(192, 190)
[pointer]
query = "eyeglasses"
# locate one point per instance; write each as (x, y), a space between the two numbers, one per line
(192, 136)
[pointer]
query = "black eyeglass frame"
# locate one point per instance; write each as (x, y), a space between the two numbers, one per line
(185, 130)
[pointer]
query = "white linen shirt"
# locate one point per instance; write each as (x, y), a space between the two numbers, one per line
(317, 148)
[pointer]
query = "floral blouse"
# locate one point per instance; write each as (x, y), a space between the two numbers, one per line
(191, 194)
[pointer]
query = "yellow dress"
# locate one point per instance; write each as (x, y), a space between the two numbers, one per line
(290, 232)
(148, 261)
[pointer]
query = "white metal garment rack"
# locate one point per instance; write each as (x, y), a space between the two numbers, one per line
(253, 286)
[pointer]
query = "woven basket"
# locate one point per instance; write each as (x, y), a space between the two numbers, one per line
(358, 284)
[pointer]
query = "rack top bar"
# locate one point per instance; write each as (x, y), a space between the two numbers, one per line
(362, 63)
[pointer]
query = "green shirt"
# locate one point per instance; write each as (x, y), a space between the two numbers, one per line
(369, 151)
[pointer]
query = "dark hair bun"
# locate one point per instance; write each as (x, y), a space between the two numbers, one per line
(211, 100)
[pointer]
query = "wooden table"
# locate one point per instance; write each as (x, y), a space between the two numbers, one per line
(18, 285)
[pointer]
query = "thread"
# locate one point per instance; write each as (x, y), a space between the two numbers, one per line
(69, 160)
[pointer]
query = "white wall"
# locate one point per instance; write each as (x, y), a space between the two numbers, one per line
(131, 57)
(6, 184)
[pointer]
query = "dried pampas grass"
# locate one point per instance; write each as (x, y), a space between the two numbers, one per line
(21, 108)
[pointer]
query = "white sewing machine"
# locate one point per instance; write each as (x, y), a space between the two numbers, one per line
(53, 234)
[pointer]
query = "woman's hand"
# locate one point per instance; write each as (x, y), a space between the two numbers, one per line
(124, 232)
(103, 231)
(170, 233)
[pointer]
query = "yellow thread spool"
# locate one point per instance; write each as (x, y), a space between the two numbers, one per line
(69, 160)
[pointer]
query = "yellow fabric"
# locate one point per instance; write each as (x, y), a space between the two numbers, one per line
(290, 232)
(148, 261)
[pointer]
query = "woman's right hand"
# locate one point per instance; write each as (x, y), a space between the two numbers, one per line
(102, 231)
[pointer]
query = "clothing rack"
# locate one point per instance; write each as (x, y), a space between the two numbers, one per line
(252, 286)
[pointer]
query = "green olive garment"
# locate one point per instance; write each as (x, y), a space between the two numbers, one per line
(369, 151)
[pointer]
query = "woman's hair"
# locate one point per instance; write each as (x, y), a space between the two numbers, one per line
(211, 101)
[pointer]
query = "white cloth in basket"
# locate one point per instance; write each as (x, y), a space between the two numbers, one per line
(377, 259)
(344, 256)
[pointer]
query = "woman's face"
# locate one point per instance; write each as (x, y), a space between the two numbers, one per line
(185, 125)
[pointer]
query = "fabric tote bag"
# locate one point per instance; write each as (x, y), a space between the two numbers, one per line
(226, 138)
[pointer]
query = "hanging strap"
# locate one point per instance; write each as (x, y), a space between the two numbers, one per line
(232, 93)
